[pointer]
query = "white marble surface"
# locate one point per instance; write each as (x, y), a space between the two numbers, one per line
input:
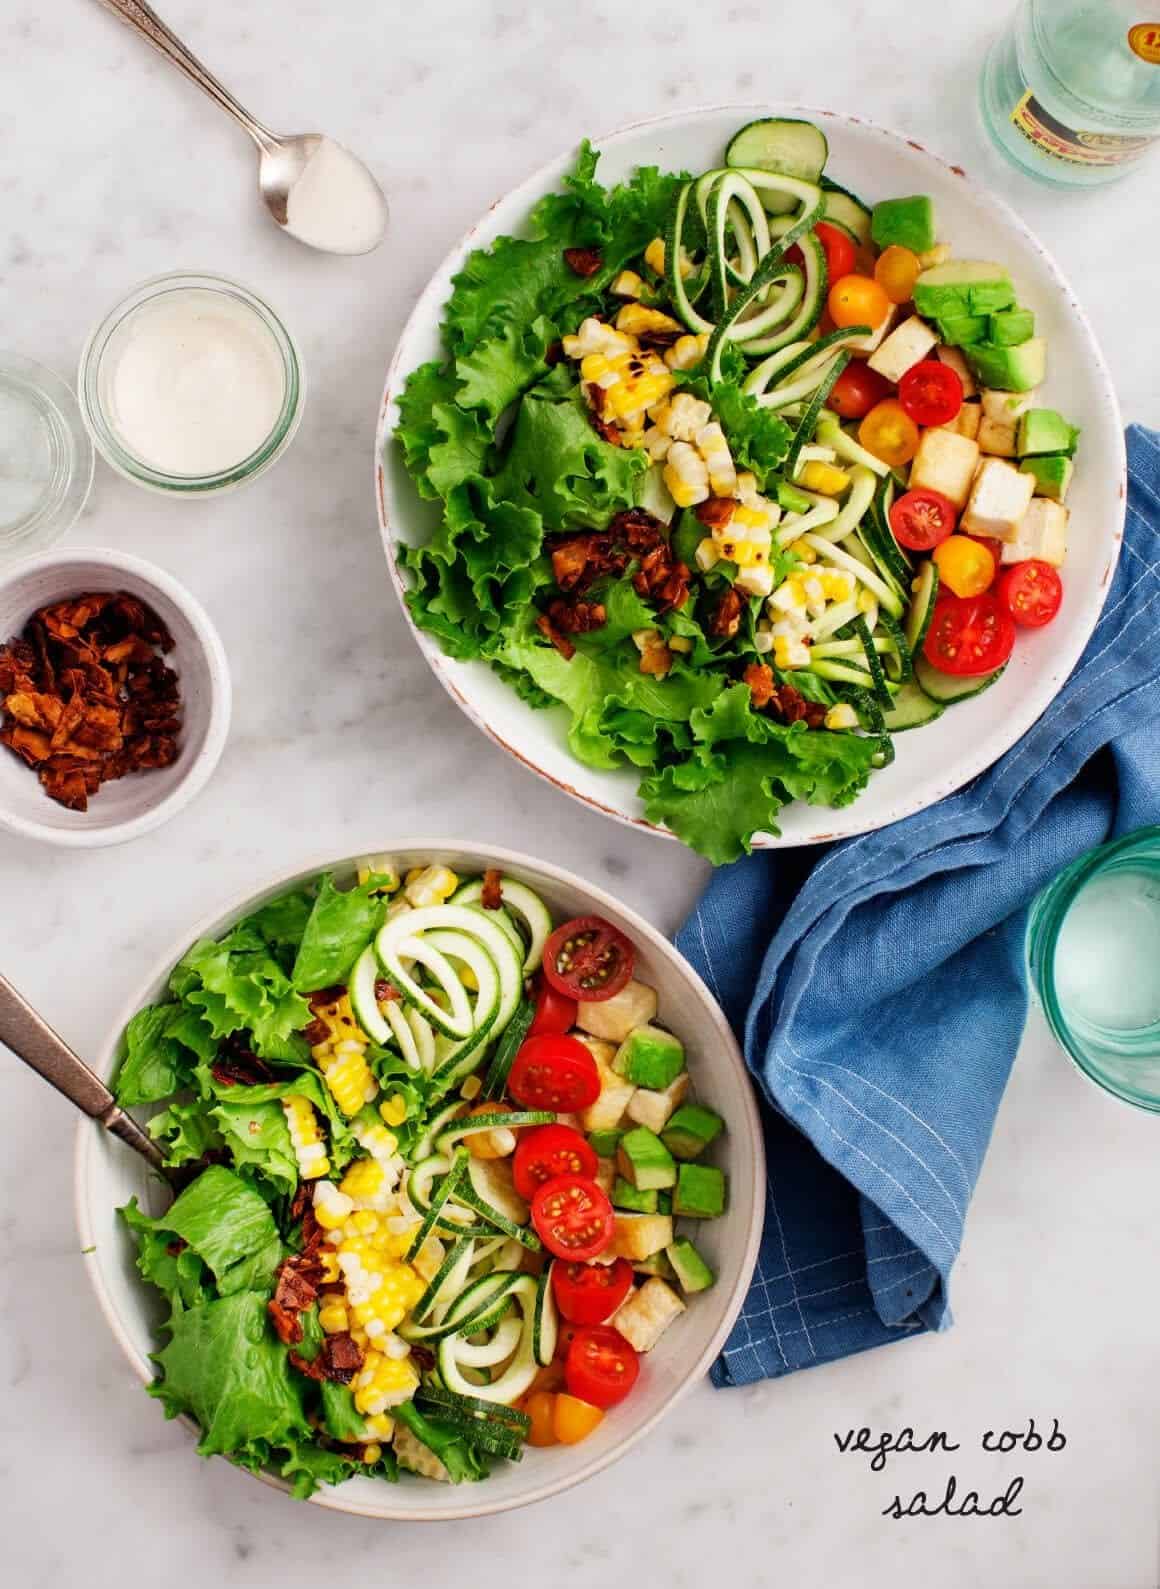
(111, 170)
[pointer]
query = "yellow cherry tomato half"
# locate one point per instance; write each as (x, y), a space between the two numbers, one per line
(965, 566)
(540, 1406)
(889, 433)
(896, 272)
(574, 1419)
(857, 301)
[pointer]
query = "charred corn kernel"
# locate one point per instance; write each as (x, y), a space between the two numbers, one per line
(680, 643)
(305, 1137)
(332, 1314)
(654, 255)
(596, 337)
(364, 1220)
(686, 352)
(349, 1078)
(372, 1451)
(747, 553)
(682, 417)
(685, 475)
(397, 907)
(713, 447)
(841, 716)
(749, 519)
(381, 1426)
(383, 1382)
(656, 444)
(382, 867)
(635, 393)
(825, 478)
(627, 285)
(755, 580)
(635, 319)
(790, 653)
(471, 1088)
(867, 601)
(368, 1185)
(708, 554)
(803, 551)
(381, 1144)
(329, 1261)
(433, 886)
(413, 873)
(789, 597)
(394, 1109)
(331, 1207)
(747, 491)
(762, 642)
(938, 255)
(837, 585)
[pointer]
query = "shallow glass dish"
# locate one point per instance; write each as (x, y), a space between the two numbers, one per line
(46, 458)
(108, 342)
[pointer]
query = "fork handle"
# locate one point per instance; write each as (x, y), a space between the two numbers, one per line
(32, 1039)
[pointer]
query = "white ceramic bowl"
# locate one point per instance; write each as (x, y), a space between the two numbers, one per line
(876, 163)
(107, 1175)
(124, 808)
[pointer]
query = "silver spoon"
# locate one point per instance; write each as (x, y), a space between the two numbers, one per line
(338, 207)
(32, 1039)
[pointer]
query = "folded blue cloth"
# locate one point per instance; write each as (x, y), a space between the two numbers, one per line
(880, 992)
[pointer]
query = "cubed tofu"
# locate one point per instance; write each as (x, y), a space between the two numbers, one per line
(605, 1176)
(416, 1457)
(638, 1236)
(999, 498)
(645, 1315)
(945, 462)
(903, 348)
(652, 1109)
(966, 422)
(877, 336)
(1041, 532)
(954, 360)
(997, 438)
(613, 1019)
(1006, 407)
(615, 1094)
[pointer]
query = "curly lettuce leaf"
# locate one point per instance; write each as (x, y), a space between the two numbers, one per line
(178, 1272)
(155, 1063)
(557, 465)
(759, 439)
(341, 925)
(236, 984)
(257, 1137)
(461, 1460)
(307, 1465)
(498, 370)
(226, 1223)
(185, 1132)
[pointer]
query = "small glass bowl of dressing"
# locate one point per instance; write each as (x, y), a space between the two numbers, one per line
(46, 459)
(192, 384)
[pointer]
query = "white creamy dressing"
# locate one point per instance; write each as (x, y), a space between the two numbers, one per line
(193, 383)
(336, 204)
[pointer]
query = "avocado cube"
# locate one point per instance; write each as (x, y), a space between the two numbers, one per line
(604, 1143)
(625, 1195)
(691, 1130)
(658, 1265)
(690, 1268)
(664, 1202)
(644, 1161)
(1010, 327)
(1052, 474)
(1045, 430)
(963, 287)
(1011, 369)
(908, 222)
(612, 1019)
(960, 330)
(700, 1192)
(650, 1057)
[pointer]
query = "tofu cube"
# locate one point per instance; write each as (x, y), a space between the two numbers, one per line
(1041, 532)
(874, 340)
(945, 461)
(903, 348)
(608, 1110)
(613, 1019)
(605, 1176)
(637, 1236)
(999, 498)
(996, 437)
(653, 1109)
(966, 422)
(954, 360)
(1006, 407)
(645, 1315)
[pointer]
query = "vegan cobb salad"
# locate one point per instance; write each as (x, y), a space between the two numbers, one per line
(745, 473)
(443, 1172)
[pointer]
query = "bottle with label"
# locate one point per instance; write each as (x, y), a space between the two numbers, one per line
(1071, 91)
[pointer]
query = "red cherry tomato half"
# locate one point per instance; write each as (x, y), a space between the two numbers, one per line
(588, 959)
(931, 392)
(554, 1013)
(794, 255)
(589, 1293)
(857, 390)
(601, 1367)
(839, 249)
(1031, 592)
(969, 635)
(554, 1072)
(573, 1219)
(546, 1152)
(921, 519)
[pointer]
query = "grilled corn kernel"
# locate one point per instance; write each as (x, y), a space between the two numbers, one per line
(331, 1207)
(708, 554)
(683, 417)
(433, 886)
(654, 255)
(596, 337)
(750, 519)
(627, 285)
(686, 352)
(384, 1382)
(349, 1078)
(394, 1109)
(841, 716)
(680, 643)
(382, 867)
(635, 319)
(803, 551)
(686, 475)
(332, 1314)
(825, 478)
(381, 1426)
(713, 447)
(365, 1182)
(305, 1137)
(471, 1088)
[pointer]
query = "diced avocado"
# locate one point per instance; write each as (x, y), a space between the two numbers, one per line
(625, 1195)
(691, 1269)
(1010, 327)
(1052, 473)
(658, 1265)
(791, 500)
(643, 1160)
(1045, 430)
(604, 1143)
(691, 1130)
(1012, 369)
(650, 1057)
(907, 222)
(963, 286)
(612, 1019)
(664, 1202)
(960, 330)
(700, 1192)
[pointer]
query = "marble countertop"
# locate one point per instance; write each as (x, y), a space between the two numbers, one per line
(340, 733)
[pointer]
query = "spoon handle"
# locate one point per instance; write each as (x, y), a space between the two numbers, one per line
(32, 1039)
(145, 21)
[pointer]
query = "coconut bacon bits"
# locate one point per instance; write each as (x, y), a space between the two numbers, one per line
(85, 695)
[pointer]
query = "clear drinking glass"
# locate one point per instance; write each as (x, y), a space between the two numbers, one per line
(1093, 955)
(46, 459)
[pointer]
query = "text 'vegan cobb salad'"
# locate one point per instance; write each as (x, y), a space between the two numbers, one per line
(744, 473)
(438, 1148)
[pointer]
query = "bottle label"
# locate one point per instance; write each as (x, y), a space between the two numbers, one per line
(1076, 147)
(1144, 40)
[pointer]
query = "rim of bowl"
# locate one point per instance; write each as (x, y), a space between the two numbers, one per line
(220, 700)
(846, 823)
(86, 1136)
(56, 513)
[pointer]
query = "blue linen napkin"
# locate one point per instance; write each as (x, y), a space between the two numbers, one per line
(880, 992)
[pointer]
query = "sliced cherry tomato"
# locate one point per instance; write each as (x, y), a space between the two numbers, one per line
(896, 270)
(546, 1152)
(554, 1012)
(965, 566)
(857, 301)
(554, 1072)
(794, 255)
(969, 635)
(931, 392)
(602, 1367)
(540, 1406)
(574, 1420)
(889, 433)
(565, 1335)
(1031, 592)
(588, 959)
(995, 547)
(921, 519)
(839, 248)
(589, 1293)
(573, 1218)
(857, 390)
